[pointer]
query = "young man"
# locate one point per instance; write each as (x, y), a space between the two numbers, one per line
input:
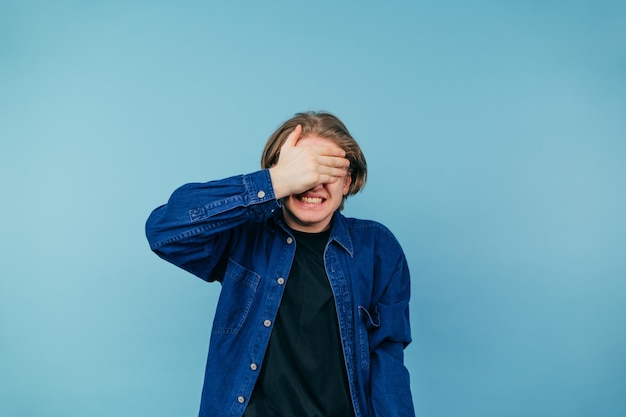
(313, 317)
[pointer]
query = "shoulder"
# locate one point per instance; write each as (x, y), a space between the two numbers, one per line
(370, 230)
(368, 225)
(377, 250)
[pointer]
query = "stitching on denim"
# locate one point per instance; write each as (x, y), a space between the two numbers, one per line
(369, 316)
(193, 232)
(197, 214)
(364, 336)
(250, 279)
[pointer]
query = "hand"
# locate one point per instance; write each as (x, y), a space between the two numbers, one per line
(300, 168)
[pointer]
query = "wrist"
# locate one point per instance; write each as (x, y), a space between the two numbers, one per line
(280, 189)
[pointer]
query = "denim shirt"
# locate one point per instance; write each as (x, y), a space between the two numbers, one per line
(232, 231)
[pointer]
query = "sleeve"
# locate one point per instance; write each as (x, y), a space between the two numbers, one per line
(389, 378)
(194, 228)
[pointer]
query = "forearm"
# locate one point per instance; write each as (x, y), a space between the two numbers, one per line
(198, 216)
(390, 383)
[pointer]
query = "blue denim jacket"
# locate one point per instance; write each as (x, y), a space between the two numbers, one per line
(232, 231)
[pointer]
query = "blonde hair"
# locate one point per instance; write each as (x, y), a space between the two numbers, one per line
(327, 126)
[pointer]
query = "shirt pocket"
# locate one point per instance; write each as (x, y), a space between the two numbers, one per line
(238, 290)
(367, 322)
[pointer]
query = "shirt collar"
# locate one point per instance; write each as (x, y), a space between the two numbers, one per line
(339, 233)
(339, 229)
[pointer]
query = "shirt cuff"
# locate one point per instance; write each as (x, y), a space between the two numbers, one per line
(259, 188)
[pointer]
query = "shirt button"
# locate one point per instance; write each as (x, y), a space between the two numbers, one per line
(289, 240)
(241, 400)
(260, 194)
(267, 323)
(280, 281)
(254, 366)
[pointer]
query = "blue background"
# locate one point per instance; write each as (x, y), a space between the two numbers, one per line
(495, 133)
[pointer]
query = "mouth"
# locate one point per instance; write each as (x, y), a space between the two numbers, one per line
(310, 200)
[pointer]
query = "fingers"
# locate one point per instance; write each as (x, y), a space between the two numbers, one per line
(334, 162)
(336, 173)
(333, 166)
(293, 137)
(304, 164)
(329, 151)
(328, 179)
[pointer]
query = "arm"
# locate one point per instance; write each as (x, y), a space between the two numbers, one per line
(193, 229)
(391, 394)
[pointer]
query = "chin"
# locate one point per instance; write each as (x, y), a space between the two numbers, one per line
(304, 220)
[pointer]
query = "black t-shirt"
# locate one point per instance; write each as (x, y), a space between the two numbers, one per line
(303, 372)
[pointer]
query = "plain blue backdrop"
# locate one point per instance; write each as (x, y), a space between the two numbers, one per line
(495, 133)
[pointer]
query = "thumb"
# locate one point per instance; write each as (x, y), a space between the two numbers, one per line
(293, 137)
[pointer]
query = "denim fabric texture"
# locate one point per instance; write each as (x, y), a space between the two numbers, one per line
(232, 231)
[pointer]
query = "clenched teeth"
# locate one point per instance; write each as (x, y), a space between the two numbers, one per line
(311, 200)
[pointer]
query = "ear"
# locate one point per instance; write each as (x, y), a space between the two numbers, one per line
(347, 182)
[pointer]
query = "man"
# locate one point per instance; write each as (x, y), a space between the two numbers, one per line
(312, 319)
